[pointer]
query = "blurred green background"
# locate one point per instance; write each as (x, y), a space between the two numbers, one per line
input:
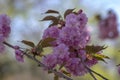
(25, 25)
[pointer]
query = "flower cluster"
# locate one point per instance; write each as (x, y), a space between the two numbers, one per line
(68, 39)
(108, 26)
(69, 45)
(4, 30)
(119, 69)
(19, 54)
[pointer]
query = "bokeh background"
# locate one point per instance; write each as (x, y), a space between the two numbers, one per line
(25, 24)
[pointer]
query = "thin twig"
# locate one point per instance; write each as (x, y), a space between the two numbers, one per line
(87, 69)
(41, 64)
(9, 45)
(90, 71)
(92, 74)
(97, 73)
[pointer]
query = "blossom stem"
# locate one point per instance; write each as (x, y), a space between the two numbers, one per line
(9, 45)
(92, 71)
(41, 64)
(92, 74)
(97, 73)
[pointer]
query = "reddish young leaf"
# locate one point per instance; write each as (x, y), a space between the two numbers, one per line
(52, 11)
(118, 65)
(53, 18)
(53, 23)
(94, 49)
(28, 43)
(43, 43)
(68, 12)
(46, 42)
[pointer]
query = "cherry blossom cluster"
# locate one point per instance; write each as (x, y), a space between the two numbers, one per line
(68, 38)
(4, 30)
(108, 26)
(71, 39)
(119, 69)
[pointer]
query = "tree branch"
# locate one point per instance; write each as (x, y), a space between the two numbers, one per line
(97, 73)
(91, 71)
(92, 74)
(41, 64)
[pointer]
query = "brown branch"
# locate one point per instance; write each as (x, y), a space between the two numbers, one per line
(91, 74)
(88, 70)
(9, 45)
(104, 78)
(92, 71)
(41, 64)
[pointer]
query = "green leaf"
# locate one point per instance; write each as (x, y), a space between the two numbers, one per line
(56, 77)
(28, 43)
(67, 12)
(94, 49)
(100, 57)
(52, 11)
(66, 73)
